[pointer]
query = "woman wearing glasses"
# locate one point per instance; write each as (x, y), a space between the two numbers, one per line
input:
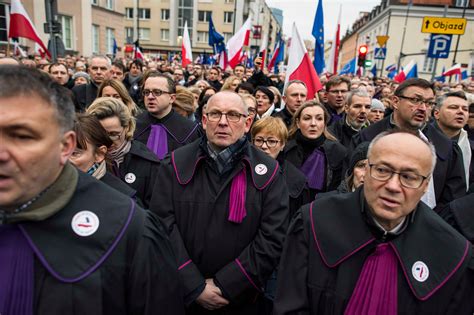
(90, 155)
(314, 150)
(131, 160)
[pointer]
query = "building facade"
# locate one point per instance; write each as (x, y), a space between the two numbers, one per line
(390, 17)
(87, 26)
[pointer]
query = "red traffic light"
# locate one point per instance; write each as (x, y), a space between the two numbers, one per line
(363, 49)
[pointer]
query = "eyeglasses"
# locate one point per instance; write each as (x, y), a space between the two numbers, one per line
(338, 91)
(418, 101)
(407, 179)
(271, 143)
(215, 116)
(155, 92)
(114, 136)
(252, 111)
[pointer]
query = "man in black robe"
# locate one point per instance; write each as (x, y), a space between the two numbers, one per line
(225, 204)
(160, 127)
(69, 244)
(378, 250)
(411, 101)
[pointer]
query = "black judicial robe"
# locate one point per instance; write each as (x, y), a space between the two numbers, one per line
(297, 186)
(193, 201)
(329, 240)
(126, 267)
(448, 176)
(180, 130)
(138, 170)
(335, 154)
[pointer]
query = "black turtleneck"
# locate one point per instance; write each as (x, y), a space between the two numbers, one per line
(308, 145)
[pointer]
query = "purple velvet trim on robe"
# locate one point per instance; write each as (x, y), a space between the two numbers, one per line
(238, 190)
(16, 272)
(314, 169)
(376, 289)
(158, 141)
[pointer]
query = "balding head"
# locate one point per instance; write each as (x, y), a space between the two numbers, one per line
(8, 61)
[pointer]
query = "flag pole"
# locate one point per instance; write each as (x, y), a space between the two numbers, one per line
(410, 2)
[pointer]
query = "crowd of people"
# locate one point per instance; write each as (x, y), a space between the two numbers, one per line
(145, 187)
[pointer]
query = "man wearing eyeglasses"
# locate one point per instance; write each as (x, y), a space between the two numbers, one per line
(160, 127)
(225, 205)
(336, 89)
(411, 101)
(378, 250)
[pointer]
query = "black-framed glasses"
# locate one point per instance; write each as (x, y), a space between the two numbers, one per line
(407, 179)
(418, 101)
(252, 111)
(271, 143)
(215, 116)
(155, 92)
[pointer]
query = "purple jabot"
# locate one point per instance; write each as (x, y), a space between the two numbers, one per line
(238, 190)
(314, 169)
(16, 272)
(158, 141)
(376, 288)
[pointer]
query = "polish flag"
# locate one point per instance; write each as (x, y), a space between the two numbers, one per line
(456, 69)
(276, 52)
(334, 54)
(263, 50)
(186, 52)
(39, 51)
(300, 66)
(21, 25)
(408, 72)
(137, 53)
(236, 44)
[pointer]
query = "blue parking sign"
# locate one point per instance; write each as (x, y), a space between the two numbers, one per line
(440, 44)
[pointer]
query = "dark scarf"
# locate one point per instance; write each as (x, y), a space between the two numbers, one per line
(314, 165)
(226, 158)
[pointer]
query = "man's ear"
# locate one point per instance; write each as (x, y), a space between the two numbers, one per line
(68, 145)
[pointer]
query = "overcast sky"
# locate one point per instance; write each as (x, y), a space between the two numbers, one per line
(303, 11)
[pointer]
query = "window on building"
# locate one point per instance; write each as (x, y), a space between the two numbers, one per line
(129, 34)
(129, 13)
(95, 2)
(228, 17)
(144, 33)
(165, 34)
(3, 23)
(204, 16)
(165, 14)
(462, 3)
(109, 40)
(109, 4)
(202, 37)
(428, 64)
(227, 36)
(67, 31)
(229, 1)
(95, 39)
(144, 13)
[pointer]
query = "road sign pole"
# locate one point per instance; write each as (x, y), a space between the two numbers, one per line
(457, 42)
(403, 37)
(433, 74)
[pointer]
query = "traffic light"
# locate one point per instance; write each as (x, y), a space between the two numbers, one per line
(362, 55)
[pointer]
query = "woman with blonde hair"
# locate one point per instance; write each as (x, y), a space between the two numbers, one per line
(314, 150)
(184, 102)
(231, 83)
(116, 89)
(131, 160)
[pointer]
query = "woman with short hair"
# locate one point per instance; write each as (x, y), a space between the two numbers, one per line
(131, 160)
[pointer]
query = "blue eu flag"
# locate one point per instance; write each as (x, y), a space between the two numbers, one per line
(318, 33)
(216, 40)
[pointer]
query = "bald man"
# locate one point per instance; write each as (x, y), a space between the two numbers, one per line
(221, 199)
(378, 250)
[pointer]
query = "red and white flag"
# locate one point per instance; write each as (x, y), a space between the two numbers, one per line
(18, 51)
(300, 66)
(137, 53)
(456, 69)
(21, 25)
(186, 52)
(334, 54)
(263, 50)
(235, 45)
(276, 52)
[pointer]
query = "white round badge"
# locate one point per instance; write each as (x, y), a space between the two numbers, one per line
(420, 271)
(261, 169)
(130, 178)
(85, 223)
